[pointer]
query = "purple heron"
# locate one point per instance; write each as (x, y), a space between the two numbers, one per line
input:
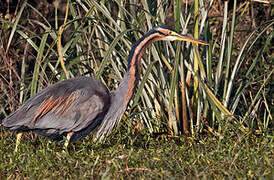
(77, 106)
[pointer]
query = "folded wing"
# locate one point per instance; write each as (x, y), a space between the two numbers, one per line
(71, 105)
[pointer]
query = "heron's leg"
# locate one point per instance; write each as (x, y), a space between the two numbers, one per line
(68, 138)
(18, 139)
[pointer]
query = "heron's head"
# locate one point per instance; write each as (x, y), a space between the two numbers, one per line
(167, 34)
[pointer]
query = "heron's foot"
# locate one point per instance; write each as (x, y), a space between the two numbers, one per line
(69, 135)
(18, 139)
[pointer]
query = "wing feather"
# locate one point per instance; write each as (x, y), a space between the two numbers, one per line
(70, 105)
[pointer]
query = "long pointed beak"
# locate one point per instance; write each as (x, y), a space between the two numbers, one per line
(182, 37)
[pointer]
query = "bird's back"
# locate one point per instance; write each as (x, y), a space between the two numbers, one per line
(77, 105)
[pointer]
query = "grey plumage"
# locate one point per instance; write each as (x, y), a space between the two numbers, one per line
(90, 100)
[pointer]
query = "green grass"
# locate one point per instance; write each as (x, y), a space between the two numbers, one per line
(140, 156)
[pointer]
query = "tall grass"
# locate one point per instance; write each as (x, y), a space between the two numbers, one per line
(183, 88)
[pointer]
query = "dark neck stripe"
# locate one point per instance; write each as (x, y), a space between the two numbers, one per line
(134, 56)
(145, 45)
(134, 63)
(137, 61)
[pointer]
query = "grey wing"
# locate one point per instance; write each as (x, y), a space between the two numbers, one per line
(72, 113)
(70, 105)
